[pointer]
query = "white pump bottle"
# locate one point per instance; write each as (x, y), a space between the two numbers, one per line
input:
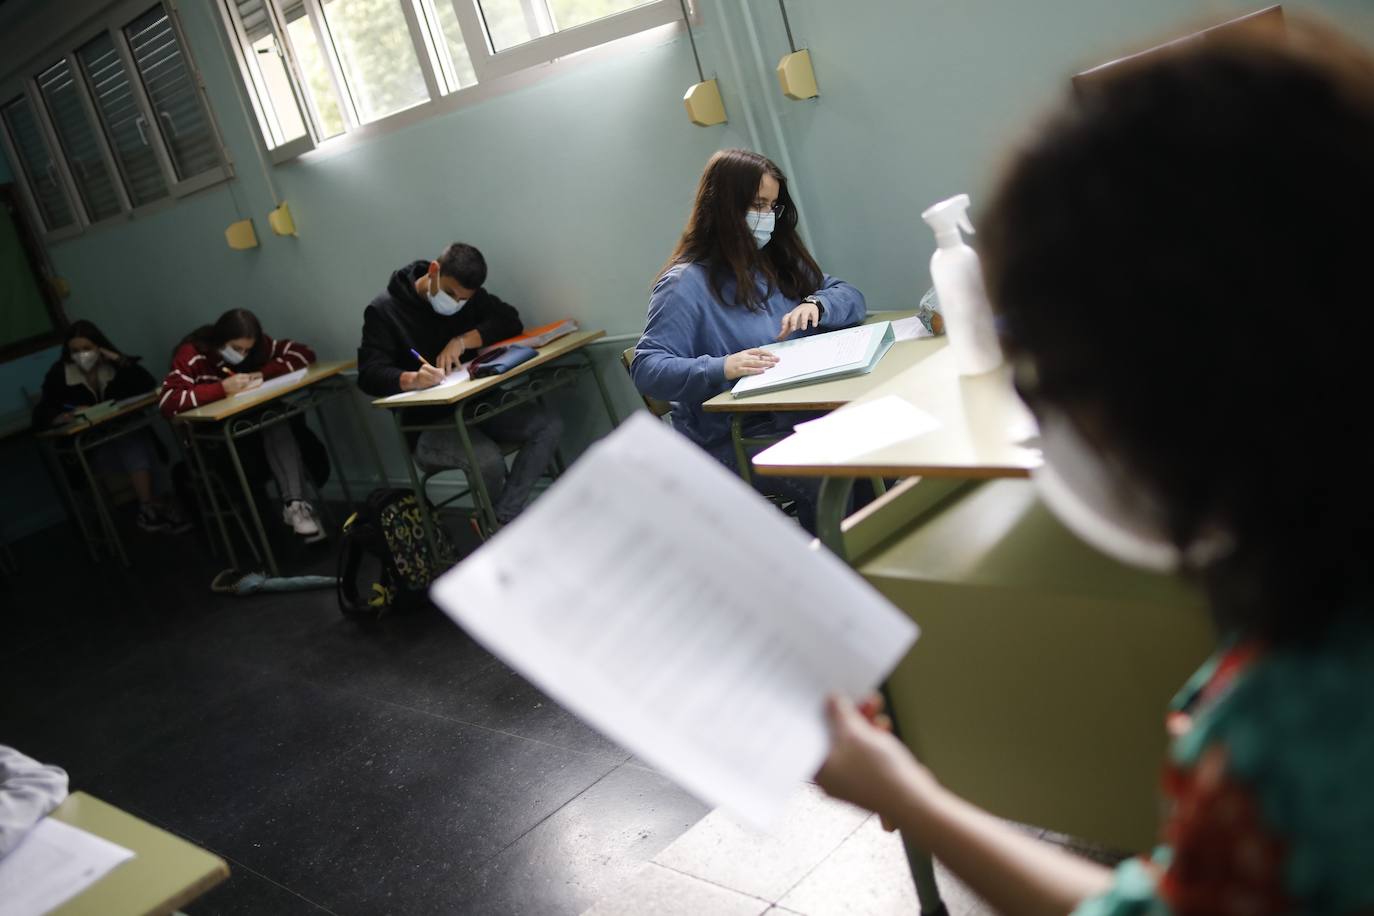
(958, 278)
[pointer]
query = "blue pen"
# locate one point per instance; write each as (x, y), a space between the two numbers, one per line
(416, 354)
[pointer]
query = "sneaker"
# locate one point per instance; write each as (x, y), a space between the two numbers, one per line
(177, 522)
(149, 519)
(301, 517)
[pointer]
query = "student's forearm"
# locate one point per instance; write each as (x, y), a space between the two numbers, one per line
(1014, 872)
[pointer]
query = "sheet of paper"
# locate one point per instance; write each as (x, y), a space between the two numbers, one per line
(281, 381)
(52, 864)
(855, 430)
(910, 329)
(812, 354)
(456, 377)
(654, 594)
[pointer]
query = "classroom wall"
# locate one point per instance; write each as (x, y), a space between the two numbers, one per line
(576, 187)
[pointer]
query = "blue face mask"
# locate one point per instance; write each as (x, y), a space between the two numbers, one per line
(761, 224)
(444, 304)
(231, 356)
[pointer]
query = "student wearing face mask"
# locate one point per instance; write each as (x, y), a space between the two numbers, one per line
(739, 278)
(234, 355)
(439, 310)
(89, 371)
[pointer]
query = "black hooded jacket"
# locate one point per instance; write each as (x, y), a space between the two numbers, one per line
(401, 319)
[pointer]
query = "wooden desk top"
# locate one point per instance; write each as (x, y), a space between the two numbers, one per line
(831, 394)
(981, 421)
(164, 875)
(464, 390)
(237, 404)
(80, 426)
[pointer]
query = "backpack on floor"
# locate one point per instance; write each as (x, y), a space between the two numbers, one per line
(389, 529)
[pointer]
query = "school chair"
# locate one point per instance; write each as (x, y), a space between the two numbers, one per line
(656, 407)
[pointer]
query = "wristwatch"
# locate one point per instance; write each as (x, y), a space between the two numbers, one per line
(816, 300)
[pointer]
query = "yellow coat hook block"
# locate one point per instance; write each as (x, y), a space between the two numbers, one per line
(704, 104)
(280, 220)
(797, 77)
(241, 236)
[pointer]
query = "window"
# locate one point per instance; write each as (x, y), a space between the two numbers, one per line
(124, 123)
(189, 138)
(319, 68)
(39, 167)
(80, 145)
(114, 125)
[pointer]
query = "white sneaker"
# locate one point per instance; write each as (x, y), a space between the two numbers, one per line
(301, 517)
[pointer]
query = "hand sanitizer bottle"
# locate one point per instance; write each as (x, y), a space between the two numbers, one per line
(958, 278)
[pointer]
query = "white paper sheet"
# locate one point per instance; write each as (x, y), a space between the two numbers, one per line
(655, 595)
(280, 381)
(456, 377)
(52, 864)
(856, 430)
(910, 329)
(813, 354)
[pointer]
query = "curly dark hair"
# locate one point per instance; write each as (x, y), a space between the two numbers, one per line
(1179, 262)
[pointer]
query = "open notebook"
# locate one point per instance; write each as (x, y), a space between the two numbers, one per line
(661, 599)
(821, 357)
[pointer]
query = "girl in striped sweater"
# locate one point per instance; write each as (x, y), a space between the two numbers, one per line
(233, 355)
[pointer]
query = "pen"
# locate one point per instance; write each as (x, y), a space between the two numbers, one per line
(415, 353)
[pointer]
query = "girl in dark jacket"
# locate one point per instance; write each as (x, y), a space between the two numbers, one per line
(90, 370)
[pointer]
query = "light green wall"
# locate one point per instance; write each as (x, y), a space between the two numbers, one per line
(577, 186)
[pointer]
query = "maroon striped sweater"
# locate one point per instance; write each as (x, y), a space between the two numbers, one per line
(198, 378)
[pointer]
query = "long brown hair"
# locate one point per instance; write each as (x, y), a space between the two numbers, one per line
(718, 238)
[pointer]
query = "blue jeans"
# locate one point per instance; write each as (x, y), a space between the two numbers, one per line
(535, 430)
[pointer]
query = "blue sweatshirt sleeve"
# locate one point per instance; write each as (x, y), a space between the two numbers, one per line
(844, 304)
(666, 365)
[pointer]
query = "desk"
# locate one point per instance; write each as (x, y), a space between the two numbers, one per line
(818, 396)
(536, 378)
(229, 419)
(165, 874)
(981, 421)
(81, 437)
(1039, 686)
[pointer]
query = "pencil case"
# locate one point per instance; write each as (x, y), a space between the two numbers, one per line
(502, 359)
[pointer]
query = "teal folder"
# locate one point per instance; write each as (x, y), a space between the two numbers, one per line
(820, 358)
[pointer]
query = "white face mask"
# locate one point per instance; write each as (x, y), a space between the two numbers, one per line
(1090, 499)
(86, 359)
(231, 356)
(444, 304)
(762, 225)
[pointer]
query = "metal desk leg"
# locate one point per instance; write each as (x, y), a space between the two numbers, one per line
(737, 439)
(830, 506)
(333, 454)
(601, 386)
(54, 460)
(215, 510)
(252, 503)
(102, 511)
(923, 875)
(426, 517)
(477, 482)
(371, 439)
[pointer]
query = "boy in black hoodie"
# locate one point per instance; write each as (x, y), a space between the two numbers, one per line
(440, 310)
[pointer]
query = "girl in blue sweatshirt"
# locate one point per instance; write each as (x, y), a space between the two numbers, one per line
(739, 278)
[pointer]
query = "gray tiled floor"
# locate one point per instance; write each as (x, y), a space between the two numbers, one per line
(824, 858)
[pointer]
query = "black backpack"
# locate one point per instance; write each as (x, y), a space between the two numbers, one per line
(389, 528)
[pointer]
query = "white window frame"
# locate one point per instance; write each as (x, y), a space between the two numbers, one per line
(23, 80)
(489, 65)
(251, 74)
